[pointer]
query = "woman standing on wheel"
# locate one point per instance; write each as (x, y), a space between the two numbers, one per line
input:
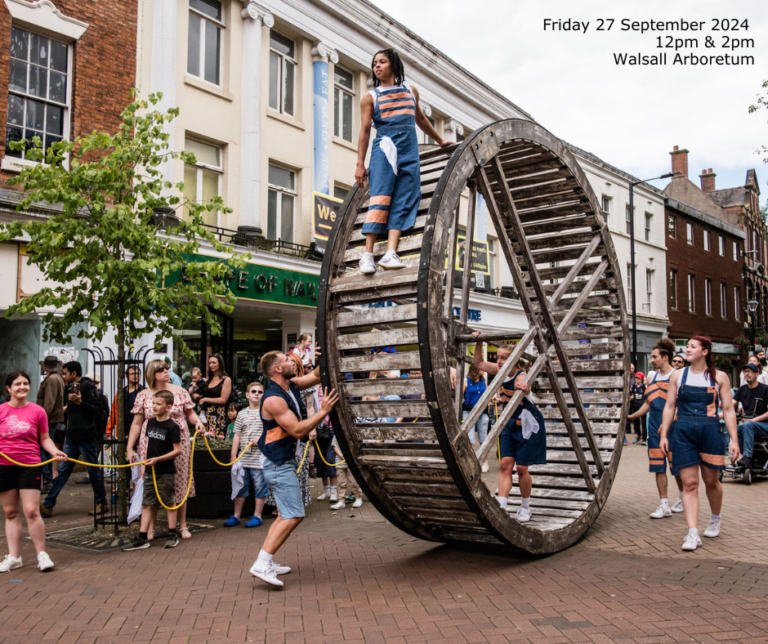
(392, 107)
(23, 429)
(696, 441)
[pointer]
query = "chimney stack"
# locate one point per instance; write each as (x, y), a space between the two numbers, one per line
(707, 180)
(679, 162)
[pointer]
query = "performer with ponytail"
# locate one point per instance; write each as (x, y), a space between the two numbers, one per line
(691, 436)
(392, 107)
(655, 400)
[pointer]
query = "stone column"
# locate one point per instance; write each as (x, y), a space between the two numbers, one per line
(164, 73)
(249, 216)
(453, 129)
(321, 54)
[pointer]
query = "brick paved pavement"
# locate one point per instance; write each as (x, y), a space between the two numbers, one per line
(361, 580)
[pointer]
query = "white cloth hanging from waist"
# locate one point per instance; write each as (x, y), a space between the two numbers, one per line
(134, 512)
(530, 424)
(238, 477)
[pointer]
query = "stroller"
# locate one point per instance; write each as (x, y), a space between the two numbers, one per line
(759, 463)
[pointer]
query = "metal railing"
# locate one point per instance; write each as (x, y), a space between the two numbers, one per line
(279, 246)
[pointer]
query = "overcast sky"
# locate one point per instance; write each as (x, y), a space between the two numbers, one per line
(629, 116)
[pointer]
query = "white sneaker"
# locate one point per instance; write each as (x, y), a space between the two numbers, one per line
(44, 562)
(367, 265)
(661, 512)
(390, 260)
(358, 503)
(713, 529)
(523, 514)
(484, 467)
(280, 570)
(338, 506)
(268, 574)
(678, 506)
(691, 542)
(323, 496)
(334, 497)
(10, 563)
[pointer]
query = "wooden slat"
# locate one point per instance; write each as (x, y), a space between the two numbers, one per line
(560, 224)
(549, 493)
(360, 282)
(569, 456)
(560, 468)
(591, 412)
(605, 398)
(383, 294)
(422, 489)
(390, 337)
(390, 409)
(548, 512)
(412, 475)
(550, 503)
(381, 387)
(584, 382)
(592, 332)
(598, 428)
(404, 462)
(376, 316)
(401, 448)
(381, 362)
(406, 244)
(556, 482)
(436, 503)
(556, 240)
(395, 431)
(353, 270)
(548, 524)
(583, 366)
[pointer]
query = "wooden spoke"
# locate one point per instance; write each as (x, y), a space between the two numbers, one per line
(563, 287)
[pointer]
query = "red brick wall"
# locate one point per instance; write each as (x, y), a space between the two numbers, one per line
(693, 259)
(103, 65)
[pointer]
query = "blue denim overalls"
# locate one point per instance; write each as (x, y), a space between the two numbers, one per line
(525, 451)
(696, 437)
(656, 397)
(394, 173)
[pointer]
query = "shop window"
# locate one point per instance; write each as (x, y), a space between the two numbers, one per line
(38, 90)
(281, 203)
(343, 96)
(673, 289)
(282, 73)
(202, 181)
(204, 40)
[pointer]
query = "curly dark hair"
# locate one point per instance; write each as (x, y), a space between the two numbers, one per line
(394, 62)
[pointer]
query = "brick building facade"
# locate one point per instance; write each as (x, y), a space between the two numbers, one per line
(704, 264)
(67, 67)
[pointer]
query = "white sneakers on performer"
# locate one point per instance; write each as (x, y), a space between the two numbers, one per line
(678, 506)
(44, 562)
(691, 542)
(661, 512)
(367, 265)
(713, 529)
(10, 563)
(358, 503)
(390, 260)
(523, 514)
(280, 570)
(338, 506)
(267, 574)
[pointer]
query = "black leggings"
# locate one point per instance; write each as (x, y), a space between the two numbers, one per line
(640, 428)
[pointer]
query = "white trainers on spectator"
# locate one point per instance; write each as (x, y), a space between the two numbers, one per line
(323, 496)
(267, 574)
(691, 542)
(523, 514)
(390, 260)
(334, 497)
(44, 562)
(661, 512)
(713, 529)
(280, 570)
(678, 506)
(367, 265)
(338, 506)
(10, 563)
(358, 503)
(484, 467)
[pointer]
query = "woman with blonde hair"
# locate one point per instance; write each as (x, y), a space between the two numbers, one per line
(183, 414)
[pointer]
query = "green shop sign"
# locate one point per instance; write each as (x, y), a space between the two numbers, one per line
(266, 283)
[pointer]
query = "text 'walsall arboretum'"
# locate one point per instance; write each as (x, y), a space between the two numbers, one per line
(673, 42)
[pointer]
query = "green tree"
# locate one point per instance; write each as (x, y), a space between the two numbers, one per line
(111, 267)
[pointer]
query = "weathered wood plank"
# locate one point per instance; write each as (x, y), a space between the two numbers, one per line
(356, 281)
(591, 412)
(380, 362)
(368, 340)
(605, 398)
(598, 428)
(391, 409)
(592, 332)
(395, 431)
(412, 242)
(436, 503)
(411, 475)
(379, 387)
(582, 366)
(564, 456)
(383, 294)
(546, 493)
(561, 468)
(422, 489)
(560, 224)
(376, 316)
(549, 512)
(584, 382)
(556, 482)
(404, 462)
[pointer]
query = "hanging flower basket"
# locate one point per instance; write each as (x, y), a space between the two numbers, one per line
(741, 343)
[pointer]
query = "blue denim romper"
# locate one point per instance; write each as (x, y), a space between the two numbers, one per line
(697, 436)
(394, 172)
(530, 451)
(656, 397)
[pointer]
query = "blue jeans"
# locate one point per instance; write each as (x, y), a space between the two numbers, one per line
(77, 449)
(481, 426)
(283, 482)
(748, 431)
(260, 489)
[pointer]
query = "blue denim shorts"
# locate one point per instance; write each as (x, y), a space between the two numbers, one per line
(284, 485)
(697, 441)
(261, 491)
(657, 462)
(531, 451)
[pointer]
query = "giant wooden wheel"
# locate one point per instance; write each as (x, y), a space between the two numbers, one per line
(558, 249)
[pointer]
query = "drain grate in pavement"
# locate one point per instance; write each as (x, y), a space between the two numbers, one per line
(86, 538)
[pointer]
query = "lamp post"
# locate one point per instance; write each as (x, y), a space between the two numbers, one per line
(632, 185)
(752, 307)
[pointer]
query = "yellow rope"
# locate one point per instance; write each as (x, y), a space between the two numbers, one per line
(303, 458)
(319, 451)
(247, 447)
(498, 443)
(70, 460)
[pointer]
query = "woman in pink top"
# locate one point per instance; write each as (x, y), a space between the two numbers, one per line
(23, 429)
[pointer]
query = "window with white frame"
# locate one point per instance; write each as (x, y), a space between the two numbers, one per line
(648, 291)
(673, 289)
(282, 73)
(202, 181)
(281, 203)
(606, 207)
(648, 220)
(343, 93)
(721, 245)
(691, 294)
(723, 301)
(204, 40)
(628, 218)
(671, 226)
(689, 233)
(492, 263)
(38, 90)
(735, 251)
(736, 303)
(708, 296)
(707, 238)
